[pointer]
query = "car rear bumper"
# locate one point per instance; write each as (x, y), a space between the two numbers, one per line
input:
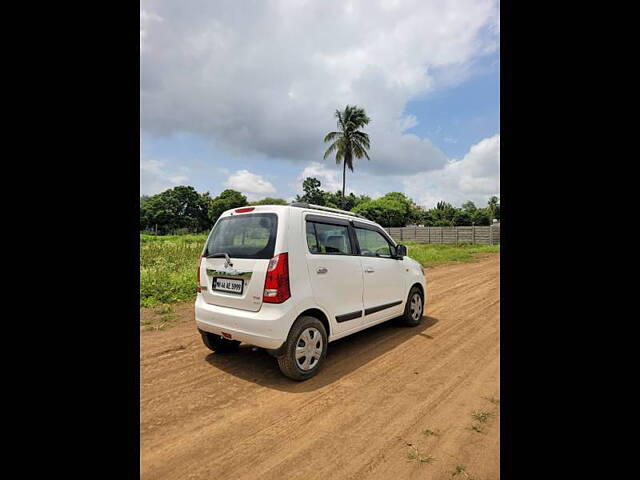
(266, 328)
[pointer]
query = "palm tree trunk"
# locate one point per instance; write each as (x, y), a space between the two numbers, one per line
(344, 173)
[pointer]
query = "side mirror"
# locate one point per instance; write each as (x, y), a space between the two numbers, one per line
(401, 251)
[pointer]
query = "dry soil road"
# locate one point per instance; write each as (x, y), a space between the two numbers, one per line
(209, 416)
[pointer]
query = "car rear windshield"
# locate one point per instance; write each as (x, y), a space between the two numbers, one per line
(244, 236)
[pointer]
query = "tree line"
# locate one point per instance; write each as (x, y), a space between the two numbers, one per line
(395, 209)
(183, 210)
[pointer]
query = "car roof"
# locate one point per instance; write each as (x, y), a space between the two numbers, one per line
(314, 209)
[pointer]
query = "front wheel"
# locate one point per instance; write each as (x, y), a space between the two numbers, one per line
(413, 309)
(305, 349)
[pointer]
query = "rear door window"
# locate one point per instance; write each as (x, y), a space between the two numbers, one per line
(331, 239)
(245, 236)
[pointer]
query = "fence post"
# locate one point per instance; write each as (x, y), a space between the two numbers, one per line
(429, 234)
(441, 232)
(401, 229)
(473, 234)
(456, 235)
(490, 234)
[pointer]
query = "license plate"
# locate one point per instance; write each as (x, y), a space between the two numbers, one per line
(228, 285)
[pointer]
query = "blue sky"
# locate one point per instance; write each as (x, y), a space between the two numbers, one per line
(461, 116)
(220, 110)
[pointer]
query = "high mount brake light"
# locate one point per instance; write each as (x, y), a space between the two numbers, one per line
(276, 282)
(244, 210)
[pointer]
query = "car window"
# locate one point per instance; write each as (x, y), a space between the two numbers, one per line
(244, 236)
(312, 241)
(372, 244)
(328, 238)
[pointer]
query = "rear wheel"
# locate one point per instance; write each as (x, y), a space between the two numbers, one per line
(218, 344)
(414, 308)
(305, 349)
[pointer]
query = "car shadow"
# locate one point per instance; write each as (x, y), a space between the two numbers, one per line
(343, 357)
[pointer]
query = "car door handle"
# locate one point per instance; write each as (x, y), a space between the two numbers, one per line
(321, 270)
(369, 270)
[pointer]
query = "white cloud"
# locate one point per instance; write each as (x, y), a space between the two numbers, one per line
(266, 80)
(146, 19)
(330, 180)
(154, 177)
(360, 182)
(254, 186)
(476, 177)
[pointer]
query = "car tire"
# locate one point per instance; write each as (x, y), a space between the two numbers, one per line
(414, 308)
(307, 336)
(218, 344)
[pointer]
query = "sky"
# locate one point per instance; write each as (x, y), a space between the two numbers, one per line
(239, 94)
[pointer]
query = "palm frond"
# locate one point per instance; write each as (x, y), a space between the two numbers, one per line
(332, 148)
(340, 122)
(331, 135)
(349, 163)
(362, 137)
(359, 150)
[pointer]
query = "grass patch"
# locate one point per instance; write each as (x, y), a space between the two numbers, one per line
(168, 268)
(476, 428)
(432, 254)
(414, 455)
(461, 472)
(494, 400)
(158, 323)
(162, 309)
(482, 417)
(429, 433)
(168, 264)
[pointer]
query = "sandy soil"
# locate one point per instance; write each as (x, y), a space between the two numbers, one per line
(210, 416)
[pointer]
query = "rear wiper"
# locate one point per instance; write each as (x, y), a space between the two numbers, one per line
(221, 255)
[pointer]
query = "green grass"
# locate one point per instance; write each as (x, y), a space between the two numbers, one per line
(168, 264)
(168, 268)
(461, 470)
(159, 323)
(482, 417)
(413, 454)
(430, 254)
(477, 428)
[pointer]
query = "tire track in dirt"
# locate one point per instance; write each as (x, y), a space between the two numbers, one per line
(213, 416)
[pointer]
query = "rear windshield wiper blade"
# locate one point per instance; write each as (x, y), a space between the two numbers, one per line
(221, 255)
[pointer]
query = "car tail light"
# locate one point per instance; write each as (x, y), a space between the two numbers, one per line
(245, 210)
(198, 288)
(276, 283)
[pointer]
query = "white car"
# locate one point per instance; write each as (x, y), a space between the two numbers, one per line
(293, 278)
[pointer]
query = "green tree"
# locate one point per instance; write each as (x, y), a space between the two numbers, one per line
(494, 208)
(391, 210)
(312, 192)
(270, 201)
(481, 216)
(177, 208)
(348, 142)
(350, 201)
(469, 207)
(227, 200)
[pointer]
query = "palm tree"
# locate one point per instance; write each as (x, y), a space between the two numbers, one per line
(348, 142)
(494, 205)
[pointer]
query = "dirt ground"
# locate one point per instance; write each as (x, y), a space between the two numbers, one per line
(372, 406)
